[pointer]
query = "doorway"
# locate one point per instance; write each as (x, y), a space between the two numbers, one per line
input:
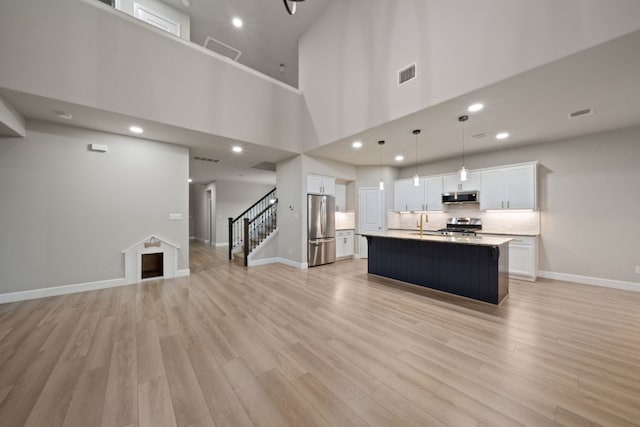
(370, 215)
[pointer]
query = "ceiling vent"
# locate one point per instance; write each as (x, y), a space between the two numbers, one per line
(205, 159)
(221, 48)
(580, 113)
(265, 166)
(406, 74)
(479, 135)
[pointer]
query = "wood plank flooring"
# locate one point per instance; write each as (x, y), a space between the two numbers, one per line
(328, 346)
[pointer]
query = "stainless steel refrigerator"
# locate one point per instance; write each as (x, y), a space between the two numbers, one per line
(321, 232)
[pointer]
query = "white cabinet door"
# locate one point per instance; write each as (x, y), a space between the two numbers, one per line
(509, 188)
(522, 187)
(408, 197)
(523, 257)
(344, 243)
(452, 182)
(314, 184)
(318, 184)
(328, 185)
(493, 190)
(341, 197)
(433, 187)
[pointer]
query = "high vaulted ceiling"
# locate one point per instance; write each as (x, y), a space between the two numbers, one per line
(269, 36)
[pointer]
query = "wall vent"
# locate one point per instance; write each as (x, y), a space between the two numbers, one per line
(265, 166)
(579, 113)
(206, 159)
(406, 74)
(223, 49)
(479, 135)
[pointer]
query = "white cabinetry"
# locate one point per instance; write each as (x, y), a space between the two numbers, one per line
(344, 243)
(341, 197)
(523, 257)
(426, 197)
(408, 197)
(433, 187)
(452, 183)
(509, 188)
(318, 184)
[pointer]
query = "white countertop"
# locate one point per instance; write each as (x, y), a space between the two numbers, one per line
(465, 240)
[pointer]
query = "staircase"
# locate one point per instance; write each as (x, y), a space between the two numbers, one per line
(252, 227)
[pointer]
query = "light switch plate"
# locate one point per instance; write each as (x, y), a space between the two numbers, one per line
(637, 269)
(175, 216)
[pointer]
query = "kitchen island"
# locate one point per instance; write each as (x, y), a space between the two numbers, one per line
(471, 266)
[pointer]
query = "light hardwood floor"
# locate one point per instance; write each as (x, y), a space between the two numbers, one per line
(278, 346)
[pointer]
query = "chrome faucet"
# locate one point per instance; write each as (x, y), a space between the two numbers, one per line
(421, 224)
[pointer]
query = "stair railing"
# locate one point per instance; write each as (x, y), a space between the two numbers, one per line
(259, 228)
(237, 235)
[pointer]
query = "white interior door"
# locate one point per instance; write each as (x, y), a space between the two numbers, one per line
(370, 215)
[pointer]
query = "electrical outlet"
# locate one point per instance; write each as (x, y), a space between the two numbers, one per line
(637, 269)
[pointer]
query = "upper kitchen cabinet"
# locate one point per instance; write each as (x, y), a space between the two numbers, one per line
(452, 183)
(408, 197)
(433, 189)
(509, 188)
(318, 184)
(341, 197)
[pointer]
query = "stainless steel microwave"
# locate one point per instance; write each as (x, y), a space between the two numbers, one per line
(460, 197)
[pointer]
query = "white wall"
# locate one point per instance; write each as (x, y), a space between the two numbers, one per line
(588, 190)
(165, 11)
(233, 198)
(86, 53)
(350, 57)
(66, 213)
(292, 244)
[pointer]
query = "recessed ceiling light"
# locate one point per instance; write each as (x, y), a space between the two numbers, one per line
(190, 180)
(475, 107)
(399, 158)
(237, 22)
(136, 129)
(64, 115)
(356, 144)
(237, 149)
(502, 135)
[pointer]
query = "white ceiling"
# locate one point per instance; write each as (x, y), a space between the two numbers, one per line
(533, 107)
(268, 38)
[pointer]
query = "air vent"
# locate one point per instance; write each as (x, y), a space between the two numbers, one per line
(406, 74)
(205, 159)
(579, 113)
(479, 135)
(265, 166)
(223, 49)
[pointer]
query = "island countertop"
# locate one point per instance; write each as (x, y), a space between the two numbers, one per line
(430, 237)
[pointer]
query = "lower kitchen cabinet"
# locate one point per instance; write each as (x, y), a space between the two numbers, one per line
(344, 243)
(523, 257)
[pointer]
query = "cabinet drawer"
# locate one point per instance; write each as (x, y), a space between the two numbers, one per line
(344, 233)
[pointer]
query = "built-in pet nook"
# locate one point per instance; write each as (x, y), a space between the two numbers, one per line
(152, 265)
(150, 258)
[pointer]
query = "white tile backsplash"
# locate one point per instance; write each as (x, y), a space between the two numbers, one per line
(345, 220)
(492, 222)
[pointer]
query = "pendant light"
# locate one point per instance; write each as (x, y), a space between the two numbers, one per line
(416, 177)
(290, 5)
(463, 169)
(381, 144)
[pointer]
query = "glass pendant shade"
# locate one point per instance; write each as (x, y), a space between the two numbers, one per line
(416, 180)
(381, 184)
(463, 173)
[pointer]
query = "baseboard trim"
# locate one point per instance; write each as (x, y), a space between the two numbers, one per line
(593, 281)
(72, 289)
(61, 290)
(183, 273)
(219, 245)
(274, 260)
